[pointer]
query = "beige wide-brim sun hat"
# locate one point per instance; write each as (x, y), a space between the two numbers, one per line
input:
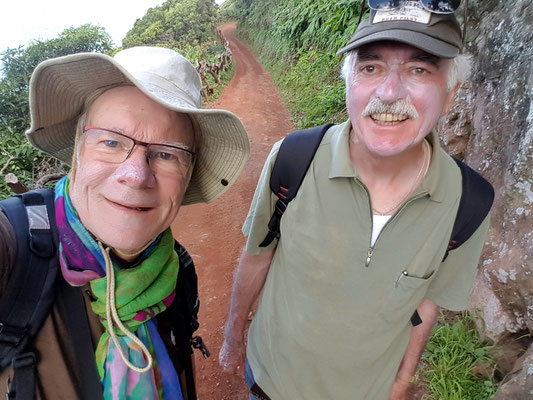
(60, 86)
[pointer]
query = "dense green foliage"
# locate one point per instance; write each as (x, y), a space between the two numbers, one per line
(186, 26)
(451, 355)
(297, 41)
(16, 154)
(175, 24)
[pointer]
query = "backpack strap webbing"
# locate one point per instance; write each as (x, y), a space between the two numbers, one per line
(292, 162)
(183, 314)
(30, 293)
(476, 201)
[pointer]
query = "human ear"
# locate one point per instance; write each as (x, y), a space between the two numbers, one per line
(450, 100)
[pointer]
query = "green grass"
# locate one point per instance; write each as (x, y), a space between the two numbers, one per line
(448, 363)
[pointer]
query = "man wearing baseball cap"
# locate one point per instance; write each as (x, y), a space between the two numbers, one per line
(362, 244)
(140, 146)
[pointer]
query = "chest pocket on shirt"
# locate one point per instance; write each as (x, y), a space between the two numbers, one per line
(404, 295)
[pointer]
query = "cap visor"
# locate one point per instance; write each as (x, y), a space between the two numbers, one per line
(416, 39)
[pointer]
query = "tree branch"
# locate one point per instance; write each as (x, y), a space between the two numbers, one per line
(6, 164)
(47, 178)
(13, 182)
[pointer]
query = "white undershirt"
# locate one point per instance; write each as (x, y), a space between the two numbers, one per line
(378, 222)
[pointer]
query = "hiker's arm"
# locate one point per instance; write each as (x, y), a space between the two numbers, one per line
(428, 312)
(7, 251)
(248, 282)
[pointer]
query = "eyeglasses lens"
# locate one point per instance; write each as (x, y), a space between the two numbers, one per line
(168, 160)
(108, 146)
(435, 6)
(440, 6)
(384, 5)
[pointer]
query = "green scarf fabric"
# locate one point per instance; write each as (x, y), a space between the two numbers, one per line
(141, 292)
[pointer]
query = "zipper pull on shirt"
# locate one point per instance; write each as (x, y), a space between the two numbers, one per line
(369, 256)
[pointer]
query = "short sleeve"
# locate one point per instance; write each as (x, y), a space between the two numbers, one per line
(451, 286)
(255, 226)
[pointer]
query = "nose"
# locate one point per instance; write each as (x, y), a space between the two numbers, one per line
(391, 88)
(135, 170)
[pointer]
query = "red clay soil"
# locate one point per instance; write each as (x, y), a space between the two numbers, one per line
(212, 232)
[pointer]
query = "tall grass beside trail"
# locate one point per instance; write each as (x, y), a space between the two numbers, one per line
(452, 354)
(309, 83)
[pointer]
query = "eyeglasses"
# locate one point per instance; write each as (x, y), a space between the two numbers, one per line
(434, 6)
(115, 147)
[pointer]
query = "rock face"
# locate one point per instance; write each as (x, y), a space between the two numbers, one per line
(491, 127)
(519, 383)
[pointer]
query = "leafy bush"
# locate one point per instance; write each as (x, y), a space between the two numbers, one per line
(451, 355)
(174, 24)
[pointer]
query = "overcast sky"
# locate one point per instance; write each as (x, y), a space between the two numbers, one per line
(24, 20)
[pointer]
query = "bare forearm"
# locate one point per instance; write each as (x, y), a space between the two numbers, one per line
(248, 282)
(428, 312)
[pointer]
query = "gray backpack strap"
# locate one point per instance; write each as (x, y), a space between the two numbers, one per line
(30, 293)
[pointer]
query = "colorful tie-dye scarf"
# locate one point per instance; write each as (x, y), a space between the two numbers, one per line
(141, 292)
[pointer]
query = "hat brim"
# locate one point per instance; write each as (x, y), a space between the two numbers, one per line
(419, 40)
(59, 87)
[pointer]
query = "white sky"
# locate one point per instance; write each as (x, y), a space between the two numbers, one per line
(24, 20)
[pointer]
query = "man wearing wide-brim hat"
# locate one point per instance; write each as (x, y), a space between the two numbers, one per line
(351, 289)
(140, 146)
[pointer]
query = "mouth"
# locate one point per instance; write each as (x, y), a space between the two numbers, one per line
(388, 119)
(130, 207)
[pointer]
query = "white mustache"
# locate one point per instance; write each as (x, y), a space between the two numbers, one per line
(376, 106)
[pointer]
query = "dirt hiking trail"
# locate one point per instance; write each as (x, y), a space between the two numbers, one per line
(212, 232)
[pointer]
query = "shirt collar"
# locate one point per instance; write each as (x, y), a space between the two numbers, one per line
(341, 166)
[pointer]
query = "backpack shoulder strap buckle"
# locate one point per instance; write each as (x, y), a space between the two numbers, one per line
(24, 361)
(12, 335)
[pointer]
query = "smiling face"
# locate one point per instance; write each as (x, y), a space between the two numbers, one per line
(396, 95)
(127, 205)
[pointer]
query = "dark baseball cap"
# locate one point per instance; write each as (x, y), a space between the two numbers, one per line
(437, 34)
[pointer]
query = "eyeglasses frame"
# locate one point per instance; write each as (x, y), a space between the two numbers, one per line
(139, 142)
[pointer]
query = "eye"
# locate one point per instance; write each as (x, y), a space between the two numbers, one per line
(420, 71)
(369, 69)
(111, 143)
(164, 156)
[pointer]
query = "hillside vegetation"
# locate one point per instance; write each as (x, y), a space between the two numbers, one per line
(297, 41)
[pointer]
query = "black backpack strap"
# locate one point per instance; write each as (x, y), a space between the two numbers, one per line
(292, 162)
(30, 293)
(183, 313)
(476, 201)
(23, 385)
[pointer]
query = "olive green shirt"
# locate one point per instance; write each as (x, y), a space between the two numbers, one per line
(330, 324)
